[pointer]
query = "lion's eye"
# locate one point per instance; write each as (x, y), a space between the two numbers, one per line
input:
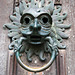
(45, 20)
(27, 20)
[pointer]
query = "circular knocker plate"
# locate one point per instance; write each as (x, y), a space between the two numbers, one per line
(36, 69)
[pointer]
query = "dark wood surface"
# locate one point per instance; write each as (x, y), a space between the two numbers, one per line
(67, 6)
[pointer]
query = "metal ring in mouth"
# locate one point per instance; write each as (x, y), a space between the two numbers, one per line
(35, 69)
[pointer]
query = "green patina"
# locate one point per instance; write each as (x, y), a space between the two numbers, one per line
(36, 28)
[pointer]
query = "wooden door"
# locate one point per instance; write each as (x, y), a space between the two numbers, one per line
(6, 8)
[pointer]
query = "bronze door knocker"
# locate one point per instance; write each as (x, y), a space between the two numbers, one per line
(36, 28)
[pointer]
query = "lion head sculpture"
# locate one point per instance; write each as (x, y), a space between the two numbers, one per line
(37, 27)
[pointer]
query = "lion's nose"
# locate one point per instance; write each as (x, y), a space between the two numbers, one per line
(35, 27)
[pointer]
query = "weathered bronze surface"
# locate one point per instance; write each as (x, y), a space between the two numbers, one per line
(37, 28)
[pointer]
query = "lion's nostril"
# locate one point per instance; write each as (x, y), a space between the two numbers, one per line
(31, 27)
(39, 27)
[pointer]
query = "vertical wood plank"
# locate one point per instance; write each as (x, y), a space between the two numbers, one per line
(61, 63)
(15, 66)
(11, 63)
(57, 65)
(9, 70)
(5, 9)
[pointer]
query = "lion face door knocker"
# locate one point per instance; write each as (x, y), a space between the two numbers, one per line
(36, 24)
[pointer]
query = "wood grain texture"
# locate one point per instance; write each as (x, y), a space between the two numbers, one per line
(5, 11)
(67, 6)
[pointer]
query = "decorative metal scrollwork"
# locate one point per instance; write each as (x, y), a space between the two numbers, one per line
(37, 27)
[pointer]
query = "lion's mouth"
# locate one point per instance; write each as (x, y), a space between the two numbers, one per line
(35, 38)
